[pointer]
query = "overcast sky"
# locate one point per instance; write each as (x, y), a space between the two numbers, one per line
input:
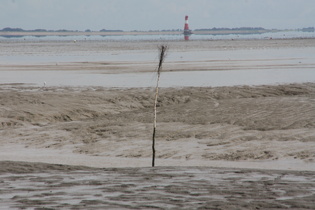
(155, 14)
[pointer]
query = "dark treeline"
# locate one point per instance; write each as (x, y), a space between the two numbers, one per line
(232, 29)
(309, 29)
(8, 29)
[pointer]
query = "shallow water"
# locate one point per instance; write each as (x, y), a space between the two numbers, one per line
(206, 67)
(168, 79)
(270, 35)
(156, 188)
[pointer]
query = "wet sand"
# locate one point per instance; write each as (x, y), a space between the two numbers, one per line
(133, 63)
(206, 137)
(42, 186)
(261, 128)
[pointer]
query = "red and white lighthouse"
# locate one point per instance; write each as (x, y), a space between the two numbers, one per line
(186, 27)
(187, 31)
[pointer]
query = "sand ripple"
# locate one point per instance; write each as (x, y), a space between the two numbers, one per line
(55, 186)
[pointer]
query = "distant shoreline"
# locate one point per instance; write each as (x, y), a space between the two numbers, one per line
(121, 33)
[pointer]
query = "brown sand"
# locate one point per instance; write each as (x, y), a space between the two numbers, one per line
(269, 127)
(194, 124)
(261, 128)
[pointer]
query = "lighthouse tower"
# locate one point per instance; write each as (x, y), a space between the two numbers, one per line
(187, 31)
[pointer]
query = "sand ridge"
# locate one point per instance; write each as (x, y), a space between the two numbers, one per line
(194, 124)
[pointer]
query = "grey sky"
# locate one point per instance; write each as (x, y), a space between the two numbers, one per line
(155, 14)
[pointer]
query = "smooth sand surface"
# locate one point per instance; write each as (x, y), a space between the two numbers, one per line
(245, 147)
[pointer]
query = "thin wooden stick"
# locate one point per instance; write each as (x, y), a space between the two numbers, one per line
(162, 49)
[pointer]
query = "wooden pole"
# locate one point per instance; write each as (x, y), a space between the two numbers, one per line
(162, 50)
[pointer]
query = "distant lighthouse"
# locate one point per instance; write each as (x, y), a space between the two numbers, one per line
(187, 31)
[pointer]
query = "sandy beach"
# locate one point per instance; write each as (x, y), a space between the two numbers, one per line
(218, 147)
